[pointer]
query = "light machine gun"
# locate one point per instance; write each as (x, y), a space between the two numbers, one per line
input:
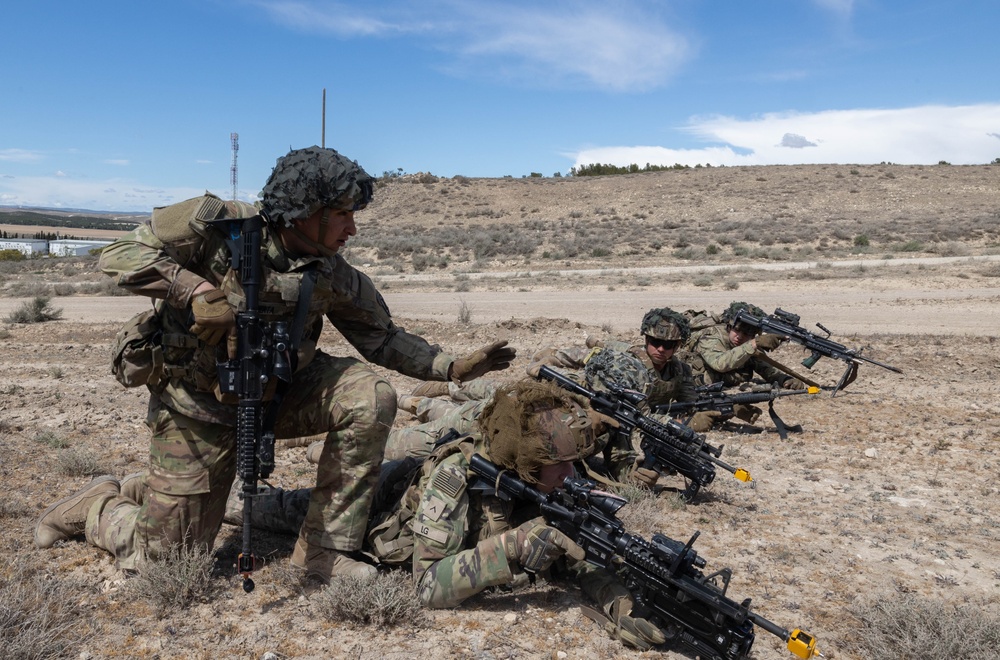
(712, 397)
(787, 325)
(668, 445)
(662, 575)
(263, 353)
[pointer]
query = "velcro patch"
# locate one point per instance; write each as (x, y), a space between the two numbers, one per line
(432, 533)
(449, 482)
(433, 508)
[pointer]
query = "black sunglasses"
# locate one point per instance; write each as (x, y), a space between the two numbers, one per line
(665, 344)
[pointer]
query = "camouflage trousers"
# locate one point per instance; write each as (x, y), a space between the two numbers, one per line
(442, 415)
(193, 464)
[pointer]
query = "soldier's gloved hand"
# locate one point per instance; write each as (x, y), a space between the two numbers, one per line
(633, 631)
(534, 546)
(645, 476)
(703, 420)
(767, 342)
(747, 413)
(214, 317)
(794, 384)
(493, 357)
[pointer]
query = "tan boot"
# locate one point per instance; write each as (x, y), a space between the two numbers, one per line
(408, 403)
(431, 388)
(324, 563)
(133, 485)
(68, 517)
(314, 451)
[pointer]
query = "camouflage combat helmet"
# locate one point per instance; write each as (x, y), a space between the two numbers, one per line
(530, 424)
(306, 180)
(607, 367)
(665, 323)
(736, 307)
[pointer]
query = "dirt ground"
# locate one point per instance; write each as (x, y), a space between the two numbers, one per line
(890, 489)
(889, 492)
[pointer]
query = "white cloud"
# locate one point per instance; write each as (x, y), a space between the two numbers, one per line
(919, 135)
(20, 155)
(618, 46)
(106, 195)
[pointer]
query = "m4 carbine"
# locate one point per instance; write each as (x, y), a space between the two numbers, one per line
(787, 325)
(662, 575)
(667, 446)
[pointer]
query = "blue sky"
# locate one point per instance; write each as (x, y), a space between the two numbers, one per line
(126, 105)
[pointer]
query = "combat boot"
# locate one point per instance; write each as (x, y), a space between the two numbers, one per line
(314, 451)
(68, 517)
(323, 564)
(133, 485)
(431, 388)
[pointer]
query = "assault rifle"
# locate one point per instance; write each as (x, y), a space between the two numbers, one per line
(787, 325)
(262, 353)
(662, 575)
(711, 397)
(668, 445)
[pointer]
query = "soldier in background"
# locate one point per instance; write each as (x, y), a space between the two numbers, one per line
(182, 262)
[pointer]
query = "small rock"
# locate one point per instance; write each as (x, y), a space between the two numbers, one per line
(871, 452)
(561, 655)
(509, 618)
(270, 655)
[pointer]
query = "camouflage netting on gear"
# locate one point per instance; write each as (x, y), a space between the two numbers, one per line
(665, 323)
(306, 180)
(735, 307)
(530, 424)
(619, 369)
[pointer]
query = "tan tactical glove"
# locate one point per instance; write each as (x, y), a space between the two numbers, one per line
(703, 420)
(747, 413)
(534, 546)
(794, 384)
(645, 476)
(213, 316)
(633, 631)
(767, 342)
(494, 357)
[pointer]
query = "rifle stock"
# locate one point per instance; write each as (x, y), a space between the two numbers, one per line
(663, 575)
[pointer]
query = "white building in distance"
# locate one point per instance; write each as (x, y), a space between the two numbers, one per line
(66, 247)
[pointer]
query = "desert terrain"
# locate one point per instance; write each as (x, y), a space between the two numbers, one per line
(875, 528)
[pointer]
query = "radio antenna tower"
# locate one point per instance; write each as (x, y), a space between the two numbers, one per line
(235, 139)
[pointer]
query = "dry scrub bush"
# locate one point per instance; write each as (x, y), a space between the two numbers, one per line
(74, 462)
(39, 617)
(36, 310)
(176, 579)
(385, 600)
(912, 626)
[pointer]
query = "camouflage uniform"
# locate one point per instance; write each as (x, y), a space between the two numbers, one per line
(192, 455)
(713, 358)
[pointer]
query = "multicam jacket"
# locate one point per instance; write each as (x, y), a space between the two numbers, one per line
(674, 382)
(178, 250)
(458, 543)
(713, 358)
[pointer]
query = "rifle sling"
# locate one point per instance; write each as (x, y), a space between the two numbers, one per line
(782, 428)
(764, 357)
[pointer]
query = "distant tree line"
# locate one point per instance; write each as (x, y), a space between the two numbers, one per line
(75, 222)
(600, 169)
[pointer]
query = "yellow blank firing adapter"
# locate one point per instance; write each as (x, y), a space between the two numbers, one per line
(742, 475)
(812, 390)
(802, 644)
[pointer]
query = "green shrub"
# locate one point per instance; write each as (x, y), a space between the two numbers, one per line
(36, 310)
(861, 240)
(12, 255)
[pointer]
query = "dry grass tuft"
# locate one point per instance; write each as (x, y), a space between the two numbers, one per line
(385, 600)
(178, 578)
(39, 617)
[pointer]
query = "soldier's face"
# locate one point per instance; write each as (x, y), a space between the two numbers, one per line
(740, 334)
(552, 476)
(327, 227)
(660, 350)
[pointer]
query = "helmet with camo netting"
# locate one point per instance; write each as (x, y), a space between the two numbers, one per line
(665, 323)
(735, 308)
(306, 180)
(608, 367)
(530, 424)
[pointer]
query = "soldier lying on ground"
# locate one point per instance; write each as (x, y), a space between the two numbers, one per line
(459, 538)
